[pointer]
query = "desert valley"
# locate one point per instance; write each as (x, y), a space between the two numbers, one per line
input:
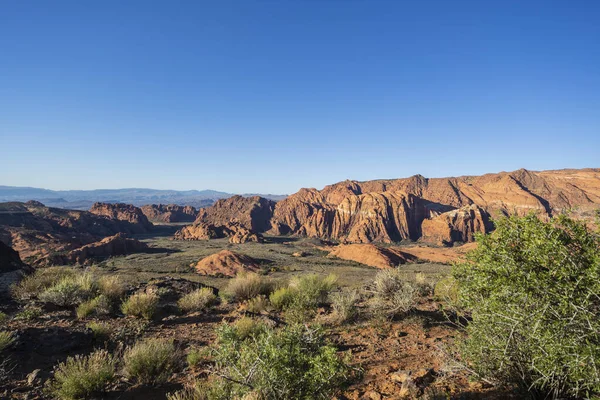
(369, 263)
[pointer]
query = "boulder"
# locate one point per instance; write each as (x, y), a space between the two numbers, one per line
(12, 269)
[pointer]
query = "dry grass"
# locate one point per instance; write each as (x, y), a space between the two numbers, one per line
(198, 300)
(151, 361)
(141, 305)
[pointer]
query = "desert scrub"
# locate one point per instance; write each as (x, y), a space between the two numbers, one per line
(281, 298)
(246, 285)
(100, 331)
(151, 361)
(28, 314)
(112, 287)
(344, 304)
(6, 339)
(70, 290)
(87, 308)
(293, 362)
(3, 317)
(198, 300)
(82, 376)
(258, 304)
(533, 295)
(141, 305)
(392, 295)
(311, 290)
(195, 356)
(32, 285)
(245, 327)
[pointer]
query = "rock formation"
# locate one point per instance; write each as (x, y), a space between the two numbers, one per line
(225, 263)
(458, 225)
(116, 245)
(169, 213)
(442, 210)
(12, 269)
(124, 212)
(205, 231)
(198, 231)
(36, 231)
(371, 255)
(252, 213)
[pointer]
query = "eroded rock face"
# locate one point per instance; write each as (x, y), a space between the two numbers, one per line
(198, 231)
(12, 269)
(36, 231)
(441, 210)
(226, 263)
(458, 225)
(371, 255)
(116, 245)
(252, 213)
(205, 231)
(124, 212)
(169, 213)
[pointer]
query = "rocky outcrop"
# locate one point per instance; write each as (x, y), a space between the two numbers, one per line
(442, 210)
(225, 263)
(371, 255)
(252, 213)
(138, 222)
(458, 225)
(116, 245)
(198, 231)
(204, 231)
(37, 231)
(12, 269)
(169, 213)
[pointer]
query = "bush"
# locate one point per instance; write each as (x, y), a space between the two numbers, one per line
(258, 304)
(79, 377)
(111, 287)
(3, 317)
(43, 278)
(246, 327)
(6, 339)
(66, 293)
(392, 296)
(198, 300)
(446, 290)
(533, 291)
(344, 304)
(195, 356)
(141, 305)
(311, 291)
(247, 285)
(281, 298)
(28, 314)
(197, 392)
(87, 308)
(151, 361)
(291, 363)
(100, 331)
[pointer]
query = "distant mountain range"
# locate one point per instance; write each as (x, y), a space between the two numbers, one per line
(83, 199)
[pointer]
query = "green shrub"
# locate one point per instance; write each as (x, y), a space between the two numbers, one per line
(311, 290)
(112, 287)
(195, 356)
(446, 290)
(86, 308)
(533, 291)
(392, 295)
(36, 283)
(28, 314)
(246, 327)
(344, 303)
(198, 300)
(6, 339)
(197, 392)
(247, 285)
(100, 331)
(65, 293)
(257, 304)
(281, 298)
(151, 361)
(80, 377)
(294, 362)
(3, 317)
(141, 305)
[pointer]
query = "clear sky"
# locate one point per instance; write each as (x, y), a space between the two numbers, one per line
(270, 96)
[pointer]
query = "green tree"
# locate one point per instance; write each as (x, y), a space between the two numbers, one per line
(532, 289)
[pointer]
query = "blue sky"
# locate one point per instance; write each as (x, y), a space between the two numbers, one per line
(270, 96)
